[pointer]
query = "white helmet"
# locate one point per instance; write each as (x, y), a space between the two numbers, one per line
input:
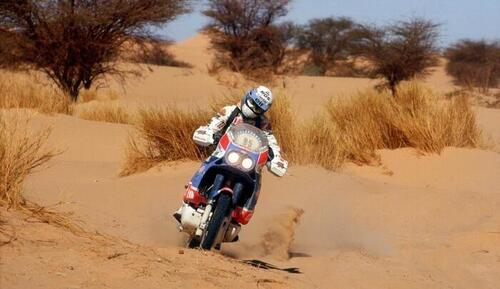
(256, 102)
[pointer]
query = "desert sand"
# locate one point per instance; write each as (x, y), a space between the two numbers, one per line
(416, 221)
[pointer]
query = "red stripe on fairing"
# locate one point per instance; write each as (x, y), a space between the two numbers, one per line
(224, 141)
(263, 158)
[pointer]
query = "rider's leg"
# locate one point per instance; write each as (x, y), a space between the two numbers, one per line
(192, 194)
(243, 214)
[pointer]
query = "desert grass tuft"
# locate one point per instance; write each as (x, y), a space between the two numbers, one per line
(355, 128)
(105, 112)
(348, 130)
(22, 153)
(20, 91)
(163, 135)
(285, 127)
(320, 143)
(430, 124)
(88, 95)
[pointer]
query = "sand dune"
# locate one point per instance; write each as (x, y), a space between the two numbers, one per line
(194, 87)
(195, 51)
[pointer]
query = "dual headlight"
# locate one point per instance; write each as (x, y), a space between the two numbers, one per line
(244, 161)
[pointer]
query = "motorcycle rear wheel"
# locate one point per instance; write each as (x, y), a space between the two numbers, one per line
(221, 211)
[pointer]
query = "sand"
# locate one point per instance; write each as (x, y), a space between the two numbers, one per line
(416, 221)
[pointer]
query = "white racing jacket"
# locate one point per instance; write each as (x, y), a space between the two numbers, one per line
(204, 135)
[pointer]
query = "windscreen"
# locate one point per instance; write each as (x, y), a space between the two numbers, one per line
(248, 137)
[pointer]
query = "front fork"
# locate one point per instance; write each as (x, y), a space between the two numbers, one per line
(214, 192)
(204, 219)
(218, 182)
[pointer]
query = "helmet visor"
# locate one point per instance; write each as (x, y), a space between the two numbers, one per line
(253, 106)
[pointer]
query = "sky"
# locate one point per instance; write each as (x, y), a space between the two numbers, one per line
(474, 19)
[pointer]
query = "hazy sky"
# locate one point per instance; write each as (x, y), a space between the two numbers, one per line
(459, 18)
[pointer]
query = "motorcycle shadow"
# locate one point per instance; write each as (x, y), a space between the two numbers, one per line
(267, 266)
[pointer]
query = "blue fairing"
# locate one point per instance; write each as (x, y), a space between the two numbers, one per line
(205, 177)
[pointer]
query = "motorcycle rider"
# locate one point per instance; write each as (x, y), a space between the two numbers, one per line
(251, 111)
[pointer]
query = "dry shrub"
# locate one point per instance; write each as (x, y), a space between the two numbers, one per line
(350, 130)
(19, 91)
(399, 52)
(428, 124)
(328, 40)
(77, 43)
(245, 37)
(474, 63)
(165, 135)
(320, 144)
(217, 103)
(89, 95)
(105, 112)
(361, 123)
(20, 154)
(283, 123)
(355, 128)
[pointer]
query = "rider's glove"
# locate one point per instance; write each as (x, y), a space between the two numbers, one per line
(204, 136)
(278, 166)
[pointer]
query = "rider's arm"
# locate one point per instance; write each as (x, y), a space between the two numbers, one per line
(275, 150)
(204, 135)
(276, 163)
(219, 121)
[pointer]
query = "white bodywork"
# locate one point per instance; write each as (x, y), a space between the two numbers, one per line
(190, 219)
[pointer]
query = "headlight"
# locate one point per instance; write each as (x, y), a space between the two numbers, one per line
(233, 157)
(247, 163)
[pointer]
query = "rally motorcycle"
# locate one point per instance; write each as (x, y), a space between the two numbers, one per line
(229, 180)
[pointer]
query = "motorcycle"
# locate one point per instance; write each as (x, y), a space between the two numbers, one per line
(229, 181)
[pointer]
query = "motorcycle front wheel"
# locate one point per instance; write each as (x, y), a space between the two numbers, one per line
(220, 213)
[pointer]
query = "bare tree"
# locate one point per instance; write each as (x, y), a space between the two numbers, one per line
(328, 41)
(474, 63)
(75, 42)
(401, 51)
(244, 34)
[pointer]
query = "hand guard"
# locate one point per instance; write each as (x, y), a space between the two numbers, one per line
(204, 136)
(278, 166)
